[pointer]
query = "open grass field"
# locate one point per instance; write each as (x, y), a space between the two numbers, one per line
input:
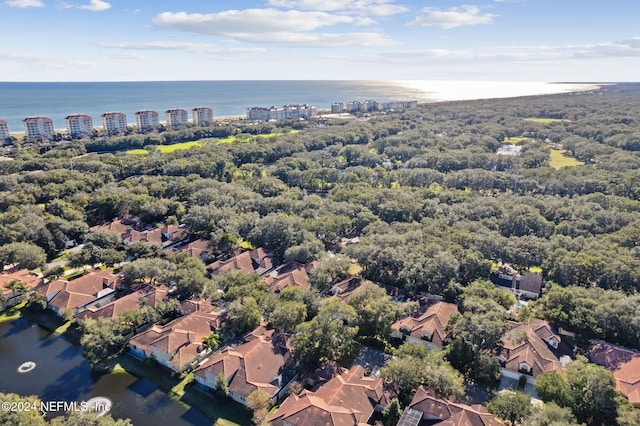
(167, 149)
(544, 120)
(559, 160)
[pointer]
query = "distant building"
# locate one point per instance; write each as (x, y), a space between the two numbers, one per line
(354, 106)
(4, 131)
(177, 117)
(202, 115)
(78, 125)
(337, 107)
(398, 105)
(38, 127)
(114, 122)
(286, 112)
(147, 119)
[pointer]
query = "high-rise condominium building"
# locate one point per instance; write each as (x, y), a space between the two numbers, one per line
(114, 122)
(202, 115)
(147, 119)
(177, 117)
(38, 127)
(4, 131)
(78, 124)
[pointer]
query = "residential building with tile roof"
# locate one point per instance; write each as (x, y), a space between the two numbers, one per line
(263, 362)
(426, 327)
(428, 409)
(623, 363)
(346, 287)
(259, 261)
(177, 345)
(11, 297)
(144, 294)
(532, 349)
(349, 398)
(291, 274)
(71, 297)
(164, 236)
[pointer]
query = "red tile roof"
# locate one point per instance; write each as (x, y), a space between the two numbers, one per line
(181, 338)
(258, 261)
(531, 344)
(623, 363)
(23, 276)
(450, 413)
(431, 323)
(288, 275)
(256, 364)
(348, 399)
(80, 291)
(146, 294)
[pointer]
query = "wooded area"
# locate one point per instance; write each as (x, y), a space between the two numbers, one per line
(432, 204)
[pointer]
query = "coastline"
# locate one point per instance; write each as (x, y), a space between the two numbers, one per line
(230, 99)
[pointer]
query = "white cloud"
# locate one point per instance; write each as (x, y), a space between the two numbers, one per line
(317, 40)
(96, 6)
(363, 7)
(250, 20)
(177, 45)
(272, 26)
(540, 54)
(452, 18)
(24, 3)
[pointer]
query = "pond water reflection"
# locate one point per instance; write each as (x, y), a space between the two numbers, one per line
(61, 373)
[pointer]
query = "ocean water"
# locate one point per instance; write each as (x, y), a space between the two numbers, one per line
(232, 98)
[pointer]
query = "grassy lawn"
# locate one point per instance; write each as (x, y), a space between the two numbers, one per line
(138, 152)
(536, 269)
(515, 140)
(12, 313)
(62, 256)
(167, 149)
(559, 160)
(181, 389)
(544, 120)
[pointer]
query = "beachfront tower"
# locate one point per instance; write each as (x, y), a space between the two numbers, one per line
(202, 116)
(4, 131)
(177, 117)
(78, 125)
(38, 127)
(147, 120)
(114, 122)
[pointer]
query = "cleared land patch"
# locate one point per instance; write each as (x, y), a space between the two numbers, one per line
(167, 149)
(559, 159)
(545, 120)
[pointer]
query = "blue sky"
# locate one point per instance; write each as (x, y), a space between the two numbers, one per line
(514, 40)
